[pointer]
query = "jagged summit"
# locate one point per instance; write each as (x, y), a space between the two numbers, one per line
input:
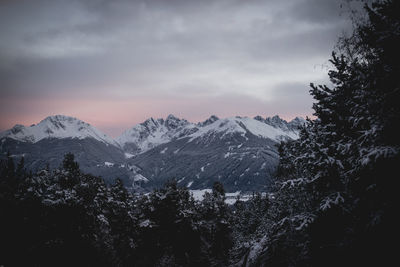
(278, 122)
(297, 122)
(154, 132)
(172, 122)
(239, 151)
(259, 118)
(208, 121)
(172, 117)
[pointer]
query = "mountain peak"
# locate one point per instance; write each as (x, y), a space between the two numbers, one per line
(17, 128)
(60, 118)
(297, 122)
(276, 119)
(208, 121)
(172, 122)
(259, 118)
(172, 117)
(298, 119)
(242, 126)
(151, 133)
(57, 126)
(213, 117)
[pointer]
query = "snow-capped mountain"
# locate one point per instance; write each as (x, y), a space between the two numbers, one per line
(47, 142)
(241, 152)
(282, 124)
(208, 121)
(243, 125)
(154, 132)
(58, 126)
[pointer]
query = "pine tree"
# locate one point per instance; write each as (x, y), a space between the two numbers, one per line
(122, 222)
(10, 170)
(169, 233)
(69, 164)
(20, 171)
(71, 171)
(215, 225)
(335, 196)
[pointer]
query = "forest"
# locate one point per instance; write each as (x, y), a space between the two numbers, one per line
(333, 203)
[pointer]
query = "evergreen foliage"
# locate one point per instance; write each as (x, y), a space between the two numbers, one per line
(70, 218)
(335, 198)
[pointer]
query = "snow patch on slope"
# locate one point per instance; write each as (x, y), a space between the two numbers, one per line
(108, 164)
(138, 177)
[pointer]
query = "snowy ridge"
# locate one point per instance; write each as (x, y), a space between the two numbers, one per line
(238, 151)
(58, 126)
(242, 126)
(154, 132)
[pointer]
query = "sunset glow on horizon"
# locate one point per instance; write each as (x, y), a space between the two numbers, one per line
(114, 117)
(115, 64)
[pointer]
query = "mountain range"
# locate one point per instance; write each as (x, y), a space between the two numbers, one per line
(240, 152)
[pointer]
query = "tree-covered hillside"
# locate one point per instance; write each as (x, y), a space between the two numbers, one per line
(64, 217)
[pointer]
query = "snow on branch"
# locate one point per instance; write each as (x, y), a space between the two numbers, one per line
(376, 153)
(294, 183)
(299, 222)
(333, 199)
(304, 221)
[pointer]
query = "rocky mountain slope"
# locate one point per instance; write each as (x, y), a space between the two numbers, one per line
(239, 152)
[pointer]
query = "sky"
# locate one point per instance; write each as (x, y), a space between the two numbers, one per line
(116, 63)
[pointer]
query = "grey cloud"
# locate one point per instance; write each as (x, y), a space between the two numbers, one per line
(294, 97)
(170, 48)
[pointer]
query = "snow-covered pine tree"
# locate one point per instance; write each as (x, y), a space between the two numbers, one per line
(118, 214)
(336, 190)
(214, 224)
(360, 214)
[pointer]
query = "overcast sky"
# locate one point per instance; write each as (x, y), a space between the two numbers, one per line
(115, 63)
